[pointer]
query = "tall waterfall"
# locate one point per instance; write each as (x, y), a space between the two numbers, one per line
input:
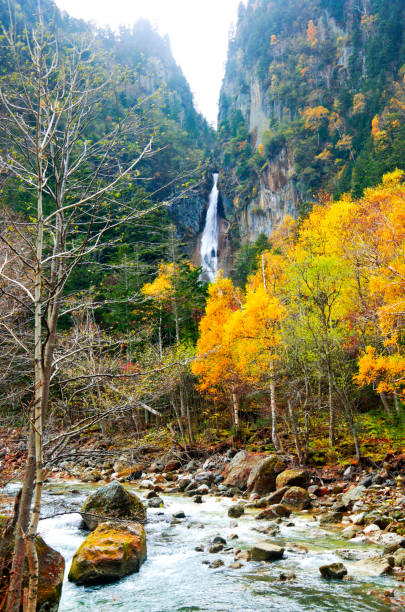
(209, 238)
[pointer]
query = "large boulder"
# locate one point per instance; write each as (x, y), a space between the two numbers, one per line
(334, 571)
(112, 501)
(292, 478)
(240, 468)
(373, 566)
(262, 478)
(111, 551)
(296, 498)
(51, 567)
(274, 511)
(353, 495)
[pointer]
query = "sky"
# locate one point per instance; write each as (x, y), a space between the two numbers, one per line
(198, 31)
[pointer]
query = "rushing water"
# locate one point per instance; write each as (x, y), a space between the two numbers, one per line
(174, 578)
(209, 238)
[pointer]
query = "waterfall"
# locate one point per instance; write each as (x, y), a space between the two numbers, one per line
(209, 238)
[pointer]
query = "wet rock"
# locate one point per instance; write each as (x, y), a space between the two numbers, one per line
(371, 529)
(353, 555)
(236, 511)
(179, 515)
(172, 465)
(240, 468)
(112, 501)
(266, 551)
(204, 477)
(198, 499)
(277, 496)
(357, 519)
(244, 555)
(199, 548)
(183, 483)
(218, 540)
(272, 529)
(297, 548)
(233, 536)
(392, 538)
(296, 498)
(276, 510)
(146, 484)
(215, 548)
(333, 571)
(330, 518)
(261, 502)
(155, 502)
(110, 552)
(373, 566)
(151, 494)
(262, 478)
(236, 565)
(292, 478)
(215, 564)
(286, 576)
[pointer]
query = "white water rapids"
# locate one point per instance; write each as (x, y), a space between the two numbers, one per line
(209, 238)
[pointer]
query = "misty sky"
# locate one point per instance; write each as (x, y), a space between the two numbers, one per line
(198, 31)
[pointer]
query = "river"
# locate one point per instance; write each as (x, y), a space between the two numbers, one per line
(174, 577)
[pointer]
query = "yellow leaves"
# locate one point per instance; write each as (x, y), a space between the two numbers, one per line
(386, 371)
(359, 104)
(314, 116)
(260, 149)
(162, 287)
(325, 155)
(345, 143)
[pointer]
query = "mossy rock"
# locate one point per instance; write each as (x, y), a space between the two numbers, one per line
(292, 478)
(51, 572)
(262, 478)
(296, 498)
(111, 551)
(110, 502)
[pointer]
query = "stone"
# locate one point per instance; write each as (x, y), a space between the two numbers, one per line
(334, 571)
(262, 478)
(371, 529)
(357, 519)
(267, 551)
(350, 532)
(179, 515)
(155, 502)
(146, 484)
(204, 477)
(112, 501)
(151, 494)
(353, 495)
(373, 566)
(172, 465)
(330, 518)
(215, 564)
(286, 576)
(216, 548)
(235, 565)
(218, 540)
(236, 511)
(203, 489)
(240, 468)
(399, 557)
(277, 496)
(111, 551)
(276, 510)
(296, 498)
(292, 478)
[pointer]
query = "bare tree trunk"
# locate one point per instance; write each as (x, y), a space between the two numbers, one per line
(295, 432)
(384, 401)
(179, 423)
(235, 408)
(274, 436)
(331, 414)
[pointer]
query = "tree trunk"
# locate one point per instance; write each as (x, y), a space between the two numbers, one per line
(235, 410)
(331, 414)
(274, 436)
(295, 432)
(384, 401)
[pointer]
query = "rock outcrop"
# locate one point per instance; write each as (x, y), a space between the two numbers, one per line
(262, 478)
(240, 468)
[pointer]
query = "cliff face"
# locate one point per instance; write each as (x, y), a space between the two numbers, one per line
(307, 86)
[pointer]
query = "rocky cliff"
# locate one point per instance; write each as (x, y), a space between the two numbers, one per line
(312, 101)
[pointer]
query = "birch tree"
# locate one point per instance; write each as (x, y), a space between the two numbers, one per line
(73, 186)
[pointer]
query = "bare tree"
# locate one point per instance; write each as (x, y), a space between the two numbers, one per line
(74, 186)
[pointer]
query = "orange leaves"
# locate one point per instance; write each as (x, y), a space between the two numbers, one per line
(314, 116)
(312, 33)
(162, 287)
(387, 371)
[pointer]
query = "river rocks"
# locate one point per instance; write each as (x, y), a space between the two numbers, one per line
(353, 495)
(216, 548)
(155, 502)
(110, 552)
(350, 532)
(215, 564)
(236, 511)
(292, 478)
(277, 496)
(262, 478)
(240, 468)
(399, 557)
(112, 501)
(296, 498)
(266, 551)
(333, 571)
(274, 511)
(373, 566)
(51, 569)
(236, 565)
(330, 518)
